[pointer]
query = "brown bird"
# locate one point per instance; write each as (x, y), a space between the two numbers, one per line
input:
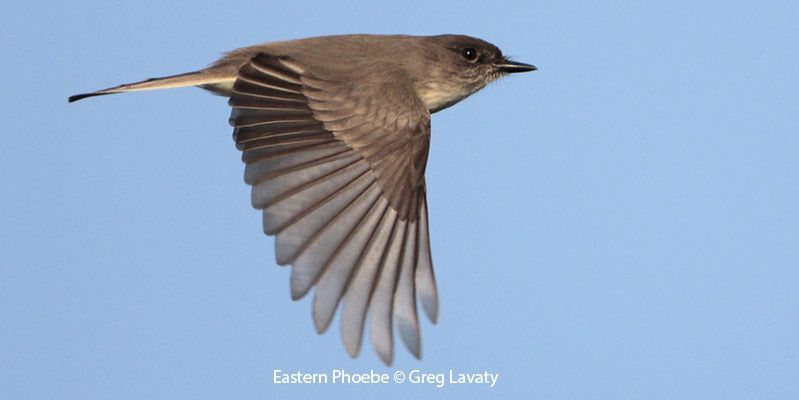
(335, 133)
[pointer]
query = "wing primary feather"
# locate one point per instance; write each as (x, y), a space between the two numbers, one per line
(248, 138)
(299, 216)
(425, 280)
(310, 265)
(278, 163)
(285, 147)
(358, 290)
(381, 302)
(266, 145)
(273, 194)
(405, 316)
(343, 153)
(332, 282)
(335, 199)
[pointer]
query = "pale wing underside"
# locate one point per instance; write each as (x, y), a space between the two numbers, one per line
(341, 185)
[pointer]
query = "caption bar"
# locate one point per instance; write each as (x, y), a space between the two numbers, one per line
(416, 376)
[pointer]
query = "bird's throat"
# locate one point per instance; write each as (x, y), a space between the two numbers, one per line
(438, 96)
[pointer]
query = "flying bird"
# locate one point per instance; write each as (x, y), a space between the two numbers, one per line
(335, 133)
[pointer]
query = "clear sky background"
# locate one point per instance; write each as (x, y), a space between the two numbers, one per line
(629, 227)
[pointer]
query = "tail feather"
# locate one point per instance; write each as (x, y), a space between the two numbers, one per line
(197, 78)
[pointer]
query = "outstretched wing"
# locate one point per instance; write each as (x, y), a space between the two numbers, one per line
(337, 166)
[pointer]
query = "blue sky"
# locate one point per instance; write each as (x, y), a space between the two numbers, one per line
(630, 228)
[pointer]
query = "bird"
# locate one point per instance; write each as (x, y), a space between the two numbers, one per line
(334, 133)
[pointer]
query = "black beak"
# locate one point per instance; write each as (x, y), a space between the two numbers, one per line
(513, 66)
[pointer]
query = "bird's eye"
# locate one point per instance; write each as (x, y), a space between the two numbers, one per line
(469, 54)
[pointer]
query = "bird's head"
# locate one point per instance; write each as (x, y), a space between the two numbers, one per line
(460, 65)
